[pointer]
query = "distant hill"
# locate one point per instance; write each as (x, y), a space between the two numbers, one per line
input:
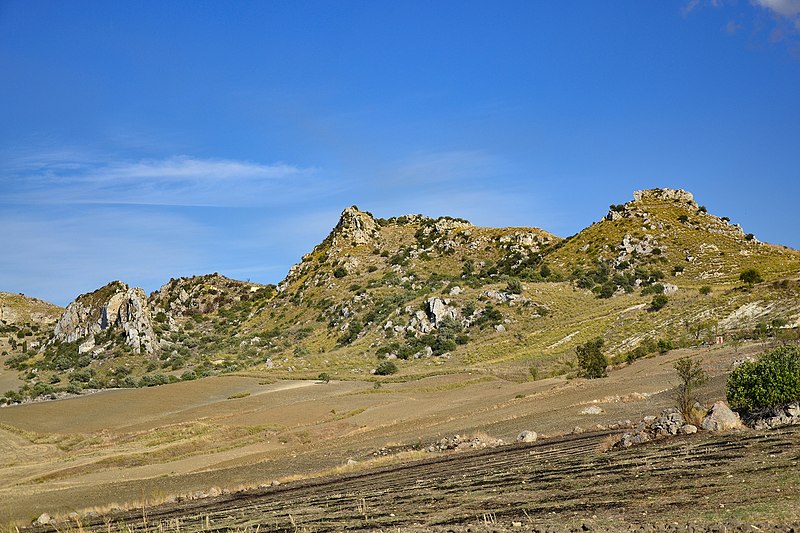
(25, 321)
(427, 295)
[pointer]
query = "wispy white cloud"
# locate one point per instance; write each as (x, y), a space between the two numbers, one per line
(67, 177)
(786, 8)
(777, 21)
(691, 5)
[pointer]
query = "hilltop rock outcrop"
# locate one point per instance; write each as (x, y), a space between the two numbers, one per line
(114, 306)
(203, 294)
(678, 195)
(355, 227)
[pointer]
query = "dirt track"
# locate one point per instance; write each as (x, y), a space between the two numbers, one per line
(734, 480)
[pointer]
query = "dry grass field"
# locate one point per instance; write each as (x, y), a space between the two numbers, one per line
(136, 448)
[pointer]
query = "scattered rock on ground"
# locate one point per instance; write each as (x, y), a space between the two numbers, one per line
(721, 418)
(462, 442)
(787, 415)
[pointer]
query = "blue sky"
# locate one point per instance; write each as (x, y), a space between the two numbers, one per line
(147, 140)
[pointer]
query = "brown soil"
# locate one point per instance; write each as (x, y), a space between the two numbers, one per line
(739, 481)
(137, 448)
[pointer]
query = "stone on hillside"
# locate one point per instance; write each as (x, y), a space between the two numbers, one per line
(439, 310)
(527, 436)
(687, 429)
(669, 288)
(721, 418)
(592, 410)
(43, 520)
(506, 297)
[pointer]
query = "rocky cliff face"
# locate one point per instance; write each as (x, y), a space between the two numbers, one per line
(115, 306)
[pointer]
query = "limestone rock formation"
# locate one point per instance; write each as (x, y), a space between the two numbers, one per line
(663, 195)
(114, 306)
(439, 310)
(355, 227)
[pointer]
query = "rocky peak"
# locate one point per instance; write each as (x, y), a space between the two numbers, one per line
(643, 198)
(203, 294)
(663, 195)
(355, 227)
(114, 306)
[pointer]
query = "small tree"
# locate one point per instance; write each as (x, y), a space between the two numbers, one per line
(658, 302)
(591, 359)
(692, 376)
(324, 377)
(750, 277)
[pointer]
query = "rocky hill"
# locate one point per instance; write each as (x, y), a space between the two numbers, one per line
(25, 322)
(416, 295)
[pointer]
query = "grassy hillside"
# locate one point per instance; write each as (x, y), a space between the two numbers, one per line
(409, 296)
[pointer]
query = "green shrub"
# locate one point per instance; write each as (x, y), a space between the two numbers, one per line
(655, 288)
(772, 381)
(750, 277)
(658, 302)
(705, 290)
(386, 368)
(664, 345)
(591, 359)
(340, 272)
(514, 286)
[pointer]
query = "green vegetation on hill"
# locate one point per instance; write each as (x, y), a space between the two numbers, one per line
(441, 295)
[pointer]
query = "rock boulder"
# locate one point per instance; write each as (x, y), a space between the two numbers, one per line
(721, 418)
